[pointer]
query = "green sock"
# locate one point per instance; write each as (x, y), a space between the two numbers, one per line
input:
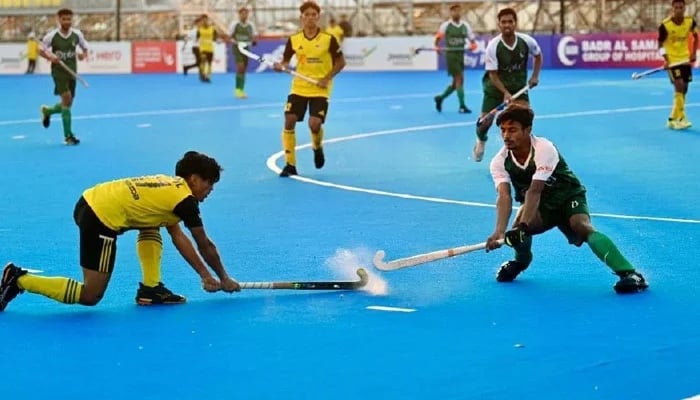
(448, 91)
(608, 253)
(242, 81)
(239, 82)
(460, 96)
(56, 109)
(65, 116)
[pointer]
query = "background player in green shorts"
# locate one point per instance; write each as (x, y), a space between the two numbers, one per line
(241, 31)
(506, 71)
(551, 196)
(63, 42)
(455, 32)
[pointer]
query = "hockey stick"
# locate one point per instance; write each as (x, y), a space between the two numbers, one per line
(503, 105)
(462, 49)
(424, 258)
(63, 65)
(329, 285)
(263, 60)
(637, 75)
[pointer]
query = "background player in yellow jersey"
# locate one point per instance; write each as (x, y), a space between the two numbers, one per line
(32, 53)
(207, 35)
(146, 203)
(318, 56)
(335, 30)
(674, 33)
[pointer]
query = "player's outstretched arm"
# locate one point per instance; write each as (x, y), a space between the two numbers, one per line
(183, 244)
(532, 202)
(211, 255)
(504, 208)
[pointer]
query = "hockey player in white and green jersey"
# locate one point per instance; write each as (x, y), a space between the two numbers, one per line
(455, 34)
(550, 195)
(62, 43)
(241, 31)
(507, 56)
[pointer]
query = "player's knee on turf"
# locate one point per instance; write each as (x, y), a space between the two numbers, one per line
(91, 296)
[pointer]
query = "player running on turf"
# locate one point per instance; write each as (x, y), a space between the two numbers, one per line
(455, 32)
(506, 72)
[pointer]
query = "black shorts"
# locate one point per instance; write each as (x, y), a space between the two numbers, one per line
(98, 243)
(683, 72)
(297, 105)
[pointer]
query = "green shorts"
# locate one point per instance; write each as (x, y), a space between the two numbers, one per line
(239, 57)
(63, 85)
(455, 64)
(559, 217)
(492, 100)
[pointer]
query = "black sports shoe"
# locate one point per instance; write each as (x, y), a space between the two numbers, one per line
(509, 270)
(147, 295)
(464, 110)
(71, 140)
(438, 103)
(630, 282)
(45, 117)
(8, 286)
(319, 158)
(288, 170)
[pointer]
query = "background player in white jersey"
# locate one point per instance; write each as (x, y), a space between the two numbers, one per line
(455, 33)
(192, 42)
(550, 195)
(507, 56)
(63, 43)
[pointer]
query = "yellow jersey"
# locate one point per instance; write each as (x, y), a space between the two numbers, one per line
(674, 38)
(337, 32)
(143, 202)
(32, 49)
(314, 59)
(206, 36)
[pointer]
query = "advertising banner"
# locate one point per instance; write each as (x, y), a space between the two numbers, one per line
(153, 56)
(13, 58)
(606, 50)
(107, 58)
(388, 54)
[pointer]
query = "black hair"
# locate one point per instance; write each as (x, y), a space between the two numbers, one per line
(456, 5)
(309, 4)
(196, 163)
(677, 1)
(517, 112)
(64, 11)
(508, 11)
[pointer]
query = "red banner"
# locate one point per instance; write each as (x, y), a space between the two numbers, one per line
(153, 57)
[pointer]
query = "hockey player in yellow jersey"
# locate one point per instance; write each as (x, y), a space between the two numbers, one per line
(146, 204)
(319, 57)
(674, 33)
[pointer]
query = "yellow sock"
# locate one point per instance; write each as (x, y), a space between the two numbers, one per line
(317, 139)
(149, 248)
(289, 142)
(65, 290)
(676, 110)
(681, 106)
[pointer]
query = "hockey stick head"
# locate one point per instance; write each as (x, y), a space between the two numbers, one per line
(378, 261)
(635, 76)
(364, 278)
